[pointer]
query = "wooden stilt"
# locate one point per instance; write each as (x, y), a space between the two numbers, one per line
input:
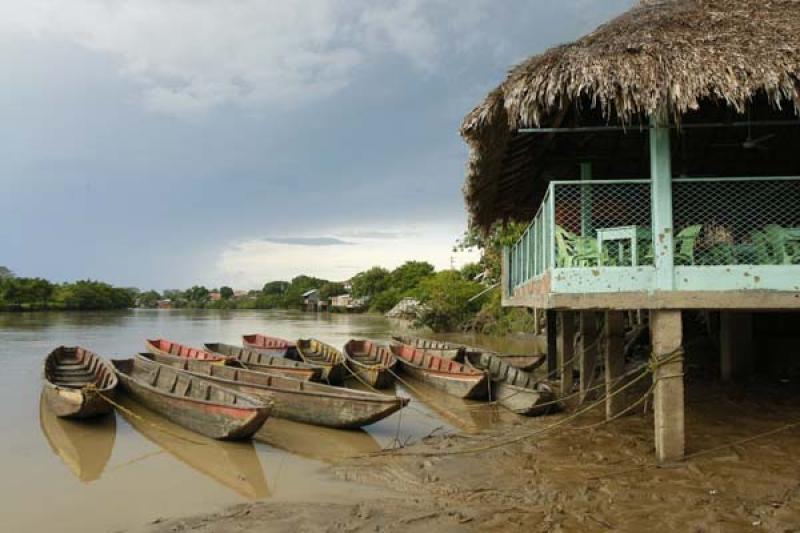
(614, 354)
(588, 351)
(668, 402)
(552, 337)
(566, 353)
(736, 345)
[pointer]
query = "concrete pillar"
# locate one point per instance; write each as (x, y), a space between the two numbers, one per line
(737, 359)
(566, 352)
(614, 361)
(668, 403)
(588, 351)
(552, 350)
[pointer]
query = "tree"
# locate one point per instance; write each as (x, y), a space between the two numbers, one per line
(148, 299)
(275, 287)
(409, 274)
(5, 273)
(446, 300)
(370, 282)
(331, 288)
(226, 293)
(470, 271)
(491, 245)
(197, 296)
(383, 301)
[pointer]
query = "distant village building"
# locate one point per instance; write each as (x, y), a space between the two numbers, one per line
(346, 303)
(166, 303)
(311, 300)
(214, 296)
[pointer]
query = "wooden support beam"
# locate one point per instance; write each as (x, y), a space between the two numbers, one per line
(588, 351)
(552, 351)
(668, 402)
(566, 353)
(614, 361)
(736, 345)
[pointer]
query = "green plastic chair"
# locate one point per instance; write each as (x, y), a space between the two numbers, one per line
(574, 251)
(685, 242)
(784, 243)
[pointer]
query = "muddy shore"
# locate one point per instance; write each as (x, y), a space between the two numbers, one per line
(586, 476)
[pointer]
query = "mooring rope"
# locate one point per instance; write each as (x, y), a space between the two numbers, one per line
(654, 364)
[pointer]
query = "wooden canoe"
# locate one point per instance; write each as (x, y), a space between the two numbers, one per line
(83, 445)
(264, 362)
(270, 345)
(198, 404)
(329, 358)
(75, 381)
(165, 347)
(527, 363)
(511, 387)
(373, 363)
(444, 374)
(301, 401)
(448, 350)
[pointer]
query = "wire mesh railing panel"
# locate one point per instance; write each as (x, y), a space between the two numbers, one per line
(602, 224)
(736, 221)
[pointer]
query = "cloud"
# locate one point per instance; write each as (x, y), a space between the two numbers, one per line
(189, 56)
(251, 263)
(308, 241)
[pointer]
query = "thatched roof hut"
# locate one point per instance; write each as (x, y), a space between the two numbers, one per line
(692, 60)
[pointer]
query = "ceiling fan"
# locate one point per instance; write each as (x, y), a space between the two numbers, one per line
(750, 142)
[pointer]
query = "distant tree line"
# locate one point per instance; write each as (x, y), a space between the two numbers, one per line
(24, 294)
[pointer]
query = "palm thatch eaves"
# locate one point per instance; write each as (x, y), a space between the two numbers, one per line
(661, 56)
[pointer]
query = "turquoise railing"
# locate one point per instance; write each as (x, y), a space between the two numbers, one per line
(607, 223)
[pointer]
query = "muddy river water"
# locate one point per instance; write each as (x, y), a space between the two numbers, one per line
(125, 471)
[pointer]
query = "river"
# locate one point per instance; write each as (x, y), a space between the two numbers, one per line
(126, 471)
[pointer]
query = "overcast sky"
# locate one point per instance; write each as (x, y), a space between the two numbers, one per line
(163, 143)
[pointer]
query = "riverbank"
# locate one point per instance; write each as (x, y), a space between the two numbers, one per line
(587, 476)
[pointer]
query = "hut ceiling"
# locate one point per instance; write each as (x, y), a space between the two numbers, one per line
(663, 54)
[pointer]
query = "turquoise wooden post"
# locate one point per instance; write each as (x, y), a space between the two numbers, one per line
(586, 200)
(661, 202)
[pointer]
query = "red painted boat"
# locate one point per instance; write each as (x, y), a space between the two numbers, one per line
(165, 347)
(445, 374)
(270, 345)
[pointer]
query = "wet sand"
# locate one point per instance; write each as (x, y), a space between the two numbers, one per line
(573, 479)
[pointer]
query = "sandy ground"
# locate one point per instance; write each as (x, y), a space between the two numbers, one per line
(577, 478)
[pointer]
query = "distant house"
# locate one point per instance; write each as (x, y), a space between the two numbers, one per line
(238, 295)
(166, 303)
(343, 300)
(311, 300)
(214, 296)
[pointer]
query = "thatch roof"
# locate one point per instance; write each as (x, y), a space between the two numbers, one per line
(662, 54)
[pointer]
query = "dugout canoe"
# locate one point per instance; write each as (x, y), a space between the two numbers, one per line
(444, 374)
(372, 363)
(166, 347)
(448, 350)
(264, 362)
(526, 363)
(76, 382)
(511, 387)
(331, 360)
(270, 345)
(301, 401)
(190, 401)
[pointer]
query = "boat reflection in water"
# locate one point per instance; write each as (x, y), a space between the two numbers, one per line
(316, 442)
(232, 464)
(83, 445)
(465, 415)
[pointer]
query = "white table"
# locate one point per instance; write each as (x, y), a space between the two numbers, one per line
(620, 233)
